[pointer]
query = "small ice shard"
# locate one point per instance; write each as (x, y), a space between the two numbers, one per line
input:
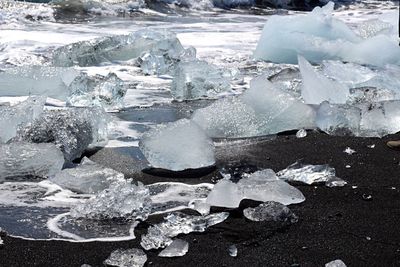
(126, 258)
(22, 160)
(112, 48)
(335, 263)
(317, 88)
(177, 248)
(122, 200)
(308, 174)
(232, 250)
(338, 119)
(335, 182)
(87, 178)
(270, 211)
(349, 151)
(198, 79)
(1, 242)
(260, 186)
(18, 116)
(301, 133)
(72, 130)
(371, 146)
(178, 146)
(160, 235)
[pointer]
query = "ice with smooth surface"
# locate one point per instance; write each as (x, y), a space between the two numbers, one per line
(72, 130)
(132, 257)
(18, 116)
(87, 178)
(177, 248)
(21, 160)
(198, 79)
(307, 174)
(317, 88)
(260, 186)
(122, 200)
(232, 250)
(270, 211)
(301, 133)
(178, 146)
(160, 235)
(335, 263)
(115, 48)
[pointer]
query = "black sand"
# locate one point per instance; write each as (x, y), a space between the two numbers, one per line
(334, 223)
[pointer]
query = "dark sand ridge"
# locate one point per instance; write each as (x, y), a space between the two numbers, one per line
(334, 223)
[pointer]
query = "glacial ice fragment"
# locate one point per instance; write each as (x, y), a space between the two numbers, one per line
(127, 258)
(335, 263)
(22, 160)
(87, 178)
(335, 181)
(232, 250)
(198, 79)
(122, 200)
(308, 174)
(349, 151)
(301, 133)
(177, 248)
(159, 235)
(270, 211)
(112, 48)
(374, 27)
(178, 146)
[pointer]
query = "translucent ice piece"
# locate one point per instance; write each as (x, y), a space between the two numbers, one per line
(159, 235)
(87, 178)
(232, 250)
(177, 248)
(335, 263)
(301, 133)
(225, 194)
(25, 160)
(127, 258)
(197, 79)
(122, 200)
(270, 211)
(308, 174)
(178, 146)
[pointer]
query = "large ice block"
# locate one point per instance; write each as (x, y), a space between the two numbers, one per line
(132, 257)
(19, 160)
(178, 146)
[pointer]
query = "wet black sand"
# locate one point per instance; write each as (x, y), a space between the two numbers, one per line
(334, 223)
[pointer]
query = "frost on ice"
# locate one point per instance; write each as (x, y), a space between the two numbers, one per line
(260, 186)
(25, 160)
(177, 248)
(270, 211)
(160, 235)
(122, 200)
(127, 258)
(178, 146)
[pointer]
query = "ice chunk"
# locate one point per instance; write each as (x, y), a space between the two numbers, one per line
(18, 116)
(260, 186)
(349, 151)
(72, 130)
(370, 94)
(122, 200)
(87, 178)
(270, 211)
(177, 248)
(159, 235)
(232, 250)
(335, 182)
(178, 146)
(308, 174)
(118, 47)
(1, 240)
(197, 79)
(126, 258)
(335, 263)
(318, 88)
(22, 160)
(301, 133)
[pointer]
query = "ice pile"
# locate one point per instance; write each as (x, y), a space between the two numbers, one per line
(178, 146)
(72, 130)
(318, 36)
(122, 200)
(177, 248)
(25, 160)
(87, 178)
(260, 186)
(127, 258)
(160, 235)
(270, 211)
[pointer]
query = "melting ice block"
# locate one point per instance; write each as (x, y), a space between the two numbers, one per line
(87, 178)
(260, 186)
(270, 211)
(178, 146)
(160, 235)
(118, 47)
(177, 248)
(127, 258)
(122, 200)
(197, 79)
(22, 160)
